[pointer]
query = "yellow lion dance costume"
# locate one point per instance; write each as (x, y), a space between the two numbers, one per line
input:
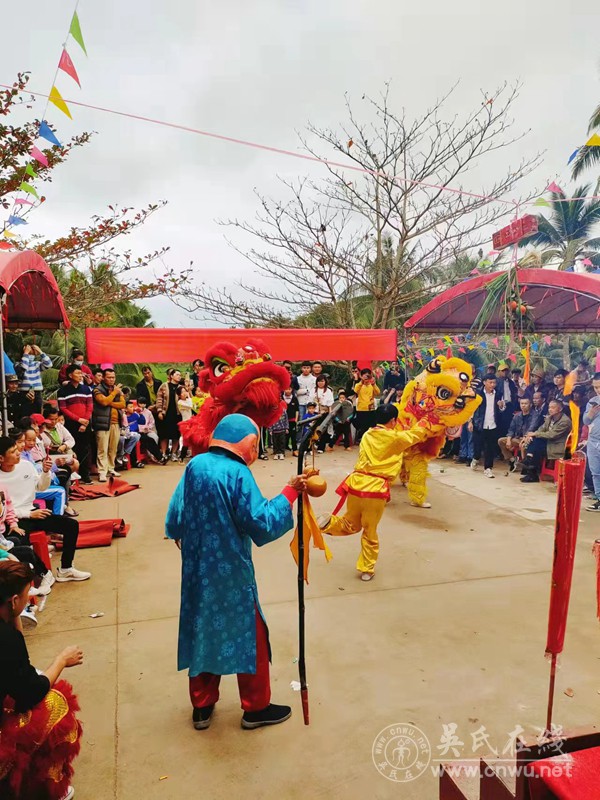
(443, 393)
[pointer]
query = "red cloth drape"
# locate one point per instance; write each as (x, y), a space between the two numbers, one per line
(553, 781)
(568, 504)
(173, 345)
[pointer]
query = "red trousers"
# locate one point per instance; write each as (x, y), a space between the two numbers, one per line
(255, 689)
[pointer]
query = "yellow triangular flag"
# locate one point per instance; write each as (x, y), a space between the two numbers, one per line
(594, 141)
(9, 235)
(56, 98)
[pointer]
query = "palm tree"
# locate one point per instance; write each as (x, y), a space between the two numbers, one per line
(567, 235)
(588, 156)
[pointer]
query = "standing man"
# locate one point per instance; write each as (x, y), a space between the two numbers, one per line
(507, 392)
(76, 405)
(31, 380)
(215, 515)
(367, 489)
(106, 421)
(197, 367)
(149, 386)
(366, 392)
(484, 426)
(307, 388)
(591, 418)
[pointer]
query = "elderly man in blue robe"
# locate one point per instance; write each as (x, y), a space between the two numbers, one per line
(215, 514)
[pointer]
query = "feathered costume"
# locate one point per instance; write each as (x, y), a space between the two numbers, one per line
(240, 380)
(442, 393)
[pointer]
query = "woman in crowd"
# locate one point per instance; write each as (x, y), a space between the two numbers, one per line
(167, 413)
(39, 731)
(324, 399)
(185, 409)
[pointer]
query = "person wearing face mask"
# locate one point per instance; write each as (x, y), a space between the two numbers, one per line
(215, 515)
(77, 359)
(39, 731)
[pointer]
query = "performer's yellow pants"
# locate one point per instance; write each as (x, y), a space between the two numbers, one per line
(362, 513)
(414, 467)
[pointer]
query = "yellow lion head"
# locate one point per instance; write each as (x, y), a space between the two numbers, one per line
(443, 393)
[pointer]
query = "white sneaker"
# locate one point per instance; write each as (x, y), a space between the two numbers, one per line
(75, 476)
(42, 589)
(367, 576)
(101, 478)
(28, 618)
(40, 603)
(71, 574)
(473, 463)
(114, 474)
(48, 580)
(70, 794)
(487, 473)
(420, 505)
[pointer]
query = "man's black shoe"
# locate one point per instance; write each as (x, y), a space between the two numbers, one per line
(201, 717)
(87, 480)
(271, 715)
(530, 478)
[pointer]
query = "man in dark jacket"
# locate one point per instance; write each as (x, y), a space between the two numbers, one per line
(549, 441)
(518, 428)
(148, 387)
(508, 395)
(485, 426)
(394, 379)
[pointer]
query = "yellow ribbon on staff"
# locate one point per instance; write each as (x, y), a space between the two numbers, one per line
(312, 532)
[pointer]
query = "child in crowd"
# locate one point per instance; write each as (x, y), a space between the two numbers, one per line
(311, 411)
(198, 399)
(185, 408)
(343, 418)
(136, 421)
(130, 436)
(366, 392)
(324, 397)
(293, 410)
(279, 435)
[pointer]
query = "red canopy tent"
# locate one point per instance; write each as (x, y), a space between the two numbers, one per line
(561, 302)
(170, 345)
(30, 299)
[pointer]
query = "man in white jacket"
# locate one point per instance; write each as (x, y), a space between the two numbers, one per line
(307, 387)
(21, 481)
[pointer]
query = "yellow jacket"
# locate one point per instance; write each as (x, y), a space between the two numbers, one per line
(378, 459)
(366, 394)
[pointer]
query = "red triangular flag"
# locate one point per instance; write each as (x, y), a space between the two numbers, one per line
(461, 350)
(495, 341)
(67, 66)
(449, 353)
(554, 187)
(6, 246)
(512, 357)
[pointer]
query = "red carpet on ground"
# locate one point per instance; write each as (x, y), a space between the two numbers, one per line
(97, 532)
(114, 488)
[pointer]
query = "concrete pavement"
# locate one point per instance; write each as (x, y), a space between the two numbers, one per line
(451, 632)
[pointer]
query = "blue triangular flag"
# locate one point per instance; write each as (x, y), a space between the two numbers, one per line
(535, 347)
(12, 220)
(483, 345)
(573, 155)
(46, 133)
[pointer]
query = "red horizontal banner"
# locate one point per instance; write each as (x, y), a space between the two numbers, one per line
(174, 345)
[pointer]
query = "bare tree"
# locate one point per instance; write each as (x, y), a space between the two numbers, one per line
(380, 229)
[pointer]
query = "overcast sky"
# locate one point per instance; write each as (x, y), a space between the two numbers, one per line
(260, 70)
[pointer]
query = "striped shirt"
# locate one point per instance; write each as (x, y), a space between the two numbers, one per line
(75, 402)
(32, 372)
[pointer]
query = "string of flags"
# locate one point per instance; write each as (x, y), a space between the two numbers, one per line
(420, 350)
(23, 204)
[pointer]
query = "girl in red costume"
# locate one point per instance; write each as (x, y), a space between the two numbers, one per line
(39, 732)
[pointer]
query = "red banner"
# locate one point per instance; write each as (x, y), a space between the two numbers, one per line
(176, 345)
(514, 232)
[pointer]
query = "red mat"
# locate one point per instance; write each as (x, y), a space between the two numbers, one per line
(583, 783)
(114, 488)
(97, 533)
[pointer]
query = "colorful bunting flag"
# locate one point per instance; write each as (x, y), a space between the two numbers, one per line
(48, 134)
(5, 246)
(524, 353)
(75, 31)
(27, 187)
(512, 357)
(598, 359)
(431, 351)
(548, 339)
(541, 202)
(12, 220)
(448, 339)
(483, 345)
(67, 66)
(535, 347)
(461, 350)
(457, 340)
(56, 98)
(496, 342)
(30, 171)
(471, 347)
(39, 156)
(555, 188)
(449, 353)
(20, 202)
(593, 141)
(573, 155)
(9, 234)
(440, 344)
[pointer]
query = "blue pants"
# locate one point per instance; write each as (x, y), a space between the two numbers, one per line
(593, 456)
(55, 499)
(466, 443)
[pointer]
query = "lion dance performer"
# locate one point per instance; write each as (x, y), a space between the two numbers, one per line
(39, 732)
(239, 380)
(442, 393)
(367, 490)
(215, 515)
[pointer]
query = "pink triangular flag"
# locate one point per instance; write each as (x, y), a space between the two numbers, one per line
(495, 341)
(474, 271)
(598, 359)
(587, 262)
(67, 66)
(39, 156)
(19, 202)
(461, 350)
(554, 187)
(548, 339)
(512, 357)
(457, 340)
